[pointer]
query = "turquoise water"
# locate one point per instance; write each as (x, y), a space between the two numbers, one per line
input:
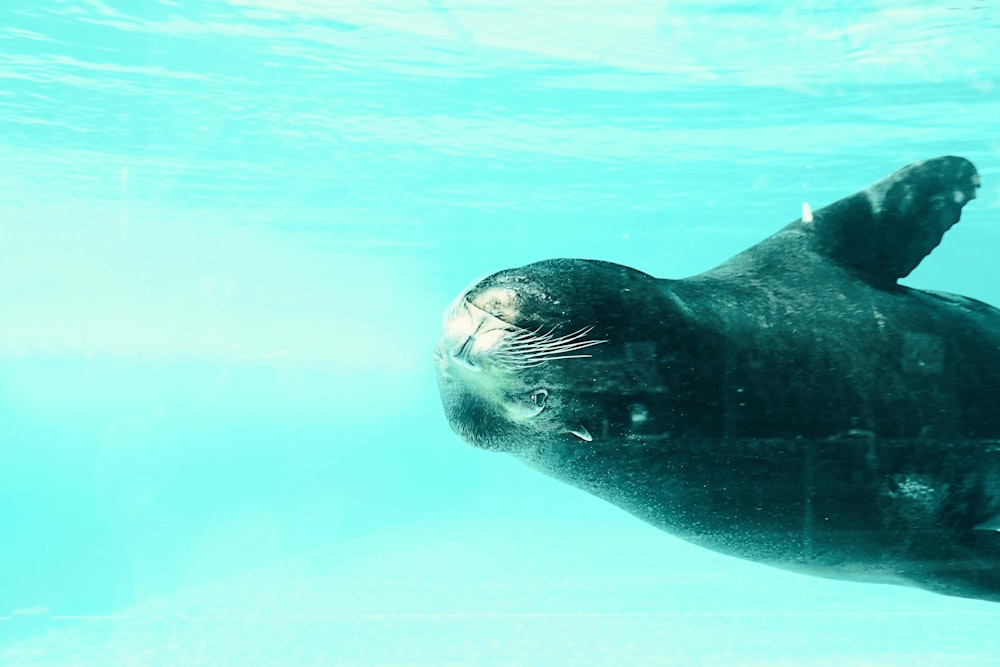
(228, 231)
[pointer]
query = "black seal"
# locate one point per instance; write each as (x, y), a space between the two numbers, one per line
(794, 406)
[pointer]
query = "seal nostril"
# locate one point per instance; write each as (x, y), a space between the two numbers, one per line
(463, 349)
(462, 354)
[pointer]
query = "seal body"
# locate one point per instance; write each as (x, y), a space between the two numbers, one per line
(794, 406)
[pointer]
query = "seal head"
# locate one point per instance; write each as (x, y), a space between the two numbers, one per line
(509, 358)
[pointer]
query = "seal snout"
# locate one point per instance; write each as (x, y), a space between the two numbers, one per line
(468, 335)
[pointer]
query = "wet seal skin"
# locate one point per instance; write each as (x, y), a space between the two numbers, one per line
(794, 406)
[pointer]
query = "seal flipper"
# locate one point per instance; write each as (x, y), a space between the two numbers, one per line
(884, 231)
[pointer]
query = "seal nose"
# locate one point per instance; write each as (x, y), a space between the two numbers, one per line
(469, 335)
(458, 336)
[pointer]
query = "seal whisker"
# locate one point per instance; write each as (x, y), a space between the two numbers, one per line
(537, 337)
(555, 349)
(547, 343)
(530, 339)
(528, 349)
(512, 362)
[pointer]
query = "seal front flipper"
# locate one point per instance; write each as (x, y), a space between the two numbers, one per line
(883, 232)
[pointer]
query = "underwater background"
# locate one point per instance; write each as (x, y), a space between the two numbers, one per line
(228, 232)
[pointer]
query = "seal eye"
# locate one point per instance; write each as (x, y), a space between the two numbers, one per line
(538, 397)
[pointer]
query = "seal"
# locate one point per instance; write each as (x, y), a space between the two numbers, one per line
(794, 406)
